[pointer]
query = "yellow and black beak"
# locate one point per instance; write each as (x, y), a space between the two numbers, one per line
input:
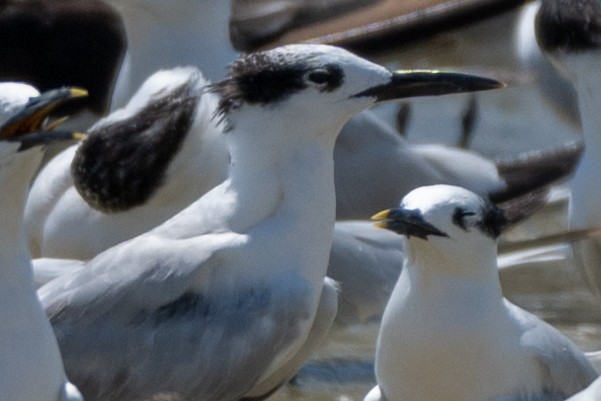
(414, 83)
(406, 222)
(41, 138)
(33, 116)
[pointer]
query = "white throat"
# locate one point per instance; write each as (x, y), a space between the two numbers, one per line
(279, 180)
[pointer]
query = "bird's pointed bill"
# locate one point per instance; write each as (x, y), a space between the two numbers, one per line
(414, 83)
(32, 115)
(406, 222)
(381, 218)
(41, 138)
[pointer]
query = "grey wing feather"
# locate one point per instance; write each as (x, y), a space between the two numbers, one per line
(150, 332)
(537, 169)
(565, 370)
(366, 261)
(326, 312)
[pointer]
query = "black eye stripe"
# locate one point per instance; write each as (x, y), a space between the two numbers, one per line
(493, 221)
(459, 217)
(491, 224)
(264, 78)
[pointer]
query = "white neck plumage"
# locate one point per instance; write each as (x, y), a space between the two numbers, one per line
(15, 176)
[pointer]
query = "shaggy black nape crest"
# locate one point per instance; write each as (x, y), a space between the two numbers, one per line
(569, 25)
(120, 165)
(267, 77)
(493, 220)
(492, 223)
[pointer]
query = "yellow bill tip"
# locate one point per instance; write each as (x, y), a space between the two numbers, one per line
(78, 136)
(381, 224)
(78, 92)
(381, 215)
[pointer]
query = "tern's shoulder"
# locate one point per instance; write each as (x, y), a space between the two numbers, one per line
(564, 368)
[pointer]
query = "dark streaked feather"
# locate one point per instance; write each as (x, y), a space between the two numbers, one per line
(523, 206)
(266, 77)
(120, 165)
(493, 221)
(536, 169)
(569, 25)
(258, 78)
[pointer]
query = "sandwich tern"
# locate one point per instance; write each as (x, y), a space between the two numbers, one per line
(447, 331)
(569, 33)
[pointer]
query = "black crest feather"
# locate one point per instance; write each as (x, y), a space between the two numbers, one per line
(493, 220)
(570, 25)
(120, 165)
(269, 77)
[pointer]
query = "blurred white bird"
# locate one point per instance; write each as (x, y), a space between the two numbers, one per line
(143, 164)
(553, 85)
(162, 35)
(31, 368)
(591, 393)
(569, 33)
(447, 332)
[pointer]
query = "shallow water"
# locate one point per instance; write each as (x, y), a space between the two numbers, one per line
(509, 121)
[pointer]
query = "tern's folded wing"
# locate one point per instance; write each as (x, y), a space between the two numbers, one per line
(138, 321)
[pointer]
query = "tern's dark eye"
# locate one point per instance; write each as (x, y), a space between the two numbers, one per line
(326, 79)
(319, 77)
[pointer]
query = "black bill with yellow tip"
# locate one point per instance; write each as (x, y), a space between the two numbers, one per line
(413, 83)
(31, 116)
(42, 138)
(406, 222)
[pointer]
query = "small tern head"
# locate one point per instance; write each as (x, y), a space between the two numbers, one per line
(319, 82)
(443, 211)
(27, 116)
(24, 115)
